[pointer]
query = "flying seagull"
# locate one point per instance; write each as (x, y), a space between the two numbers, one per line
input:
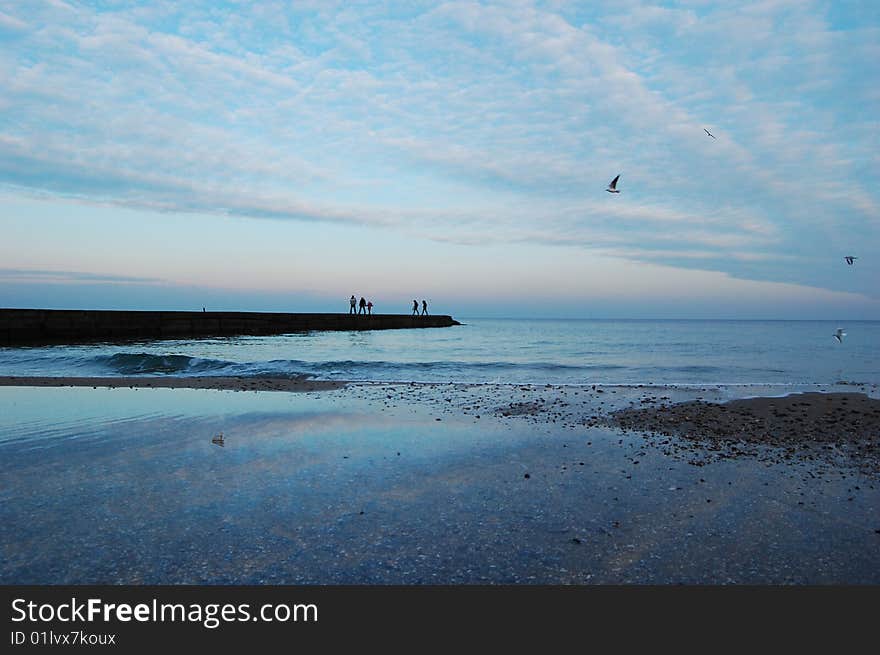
(839, 335)
(850, 260)
(708, 132)
(612, 188)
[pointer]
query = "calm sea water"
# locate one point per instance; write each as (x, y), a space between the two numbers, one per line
(501, 351)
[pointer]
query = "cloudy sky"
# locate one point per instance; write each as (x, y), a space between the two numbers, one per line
(285, 155)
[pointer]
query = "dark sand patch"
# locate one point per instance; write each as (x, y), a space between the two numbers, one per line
(830, 427)
(521, 408)
(168, 382)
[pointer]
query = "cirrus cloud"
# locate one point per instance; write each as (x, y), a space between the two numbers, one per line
(469, 122)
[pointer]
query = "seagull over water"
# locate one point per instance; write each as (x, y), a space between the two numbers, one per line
(708, 132)
(612, 188)
(850, 260)
(839, 335)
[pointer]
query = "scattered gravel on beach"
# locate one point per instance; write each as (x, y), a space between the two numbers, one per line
(827, 427)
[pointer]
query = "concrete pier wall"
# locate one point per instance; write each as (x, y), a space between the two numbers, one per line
(36, 326)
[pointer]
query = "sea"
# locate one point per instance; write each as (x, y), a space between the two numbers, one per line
(500, 351)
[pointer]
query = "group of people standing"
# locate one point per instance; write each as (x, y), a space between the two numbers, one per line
(363, 307)
(366, 307)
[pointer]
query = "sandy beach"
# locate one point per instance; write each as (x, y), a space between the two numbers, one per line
(378, 483)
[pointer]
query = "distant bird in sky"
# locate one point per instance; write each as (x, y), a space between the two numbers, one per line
(612, 188)
(839, 335)
(708, 132)
(850, 260)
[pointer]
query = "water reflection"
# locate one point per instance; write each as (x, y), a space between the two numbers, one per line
(120, 486)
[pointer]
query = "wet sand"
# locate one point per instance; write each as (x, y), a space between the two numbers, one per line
(834, 427)
(430, 484)
(168, 382)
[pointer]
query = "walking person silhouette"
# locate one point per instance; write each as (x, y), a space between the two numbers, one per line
(353, 302)
(424, 308)
(363, 306)
(415, 308)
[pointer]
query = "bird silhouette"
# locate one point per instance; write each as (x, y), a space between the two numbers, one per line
(708, 132)
(850, 260)
(612, 188)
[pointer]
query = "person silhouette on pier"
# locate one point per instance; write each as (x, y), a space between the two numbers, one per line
(363, 306)
(370, 308)
(424, 308)
(415, 308)
(353, 302)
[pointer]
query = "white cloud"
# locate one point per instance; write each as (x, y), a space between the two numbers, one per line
(11, 23)
(12, 275)
(465, 122)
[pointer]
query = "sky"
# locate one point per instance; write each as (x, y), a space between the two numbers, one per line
(283, 156)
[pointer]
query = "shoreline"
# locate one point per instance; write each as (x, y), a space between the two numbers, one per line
(226, 382)
(637, 393)
(808, 421)
(706, 422)
(295, 385)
